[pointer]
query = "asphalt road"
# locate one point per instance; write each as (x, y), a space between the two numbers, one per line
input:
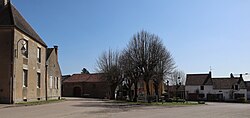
(91, 108)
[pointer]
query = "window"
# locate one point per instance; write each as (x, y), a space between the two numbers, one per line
(25, 78)
(51, 82)
(38, 80)
(202, 87)
(25, 50)
(39, 54)
(236, 87)
(57, 83)
(54, 82)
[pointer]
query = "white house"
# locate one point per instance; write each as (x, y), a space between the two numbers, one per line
(203, 86)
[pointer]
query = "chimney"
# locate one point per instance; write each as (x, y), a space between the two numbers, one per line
(231, 75)
(210, 74)
(3, 3)
(240, 75)
(56, 48)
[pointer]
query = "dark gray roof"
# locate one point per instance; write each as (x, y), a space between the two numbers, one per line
(227, 83)
(48, 52)
(199, 79)
(9, 16)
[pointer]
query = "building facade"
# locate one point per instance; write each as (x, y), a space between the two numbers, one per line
(22, 58)
(86, 85)
(54, 74)
(204, 87)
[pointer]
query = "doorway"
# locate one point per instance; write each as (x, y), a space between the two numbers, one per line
(77, 92)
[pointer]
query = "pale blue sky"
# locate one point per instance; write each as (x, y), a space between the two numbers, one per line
(199, 33)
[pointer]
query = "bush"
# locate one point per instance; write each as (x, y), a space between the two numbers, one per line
(241, 100)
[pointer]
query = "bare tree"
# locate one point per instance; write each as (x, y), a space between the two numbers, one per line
(163, 69)
(178, 77)
(108, 63)
(131, 74)
(150, 57)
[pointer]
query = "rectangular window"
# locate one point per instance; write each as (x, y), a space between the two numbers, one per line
(25, 78)
(39, 54)
(202, 87)
(57, 83)
(38, 80)
(54, 82)
(24, 49)
(51, 82)
(236, 87)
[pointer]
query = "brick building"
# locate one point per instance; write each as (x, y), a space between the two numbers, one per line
(22, 58)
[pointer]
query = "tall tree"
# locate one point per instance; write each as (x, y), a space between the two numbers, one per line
(84, 71)
(131, 74)
(148, 53)
(108, 63)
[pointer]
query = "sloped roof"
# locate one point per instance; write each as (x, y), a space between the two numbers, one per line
(173, 88)
(198, 79)
(9, 16)
(48, 52)
(90, 78)
(226, 83)
(248, 85)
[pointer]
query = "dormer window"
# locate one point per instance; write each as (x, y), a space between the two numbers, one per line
(236, 87)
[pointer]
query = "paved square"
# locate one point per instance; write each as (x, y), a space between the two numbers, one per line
(91, 108)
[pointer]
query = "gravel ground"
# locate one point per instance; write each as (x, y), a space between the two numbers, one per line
(94, 108)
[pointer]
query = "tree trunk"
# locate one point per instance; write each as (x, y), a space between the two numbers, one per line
(148, 92)
(129, 94)
(112, 92)
(156, 86)
(136, 89)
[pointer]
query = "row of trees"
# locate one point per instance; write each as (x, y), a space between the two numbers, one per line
(145, 57)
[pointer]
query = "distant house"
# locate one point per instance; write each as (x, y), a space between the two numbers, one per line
(86, 85)
(54, 74)
(198, 86)
(175, 91)
(248, 89)
(204, 87)
(142, 91)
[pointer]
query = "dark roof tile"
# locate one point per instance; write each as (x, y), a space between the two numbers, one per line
(9, 16)
(198, 79)
(90, 78)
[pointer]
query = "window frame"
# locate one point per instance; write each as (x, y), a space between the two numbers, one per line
(26, 46)
(38, 80)
(51, 82)
(236, 87)
(202, 87)
(25, 78)
(39, 51)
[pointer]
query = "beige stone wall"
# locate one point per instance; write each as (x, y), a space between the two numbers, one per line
(6, 37)
(54, 71)
(32, 65)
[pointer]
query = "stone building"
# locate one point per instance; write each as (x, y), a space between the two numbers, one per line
(86, 85)
(54, 74)
(22, 58)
